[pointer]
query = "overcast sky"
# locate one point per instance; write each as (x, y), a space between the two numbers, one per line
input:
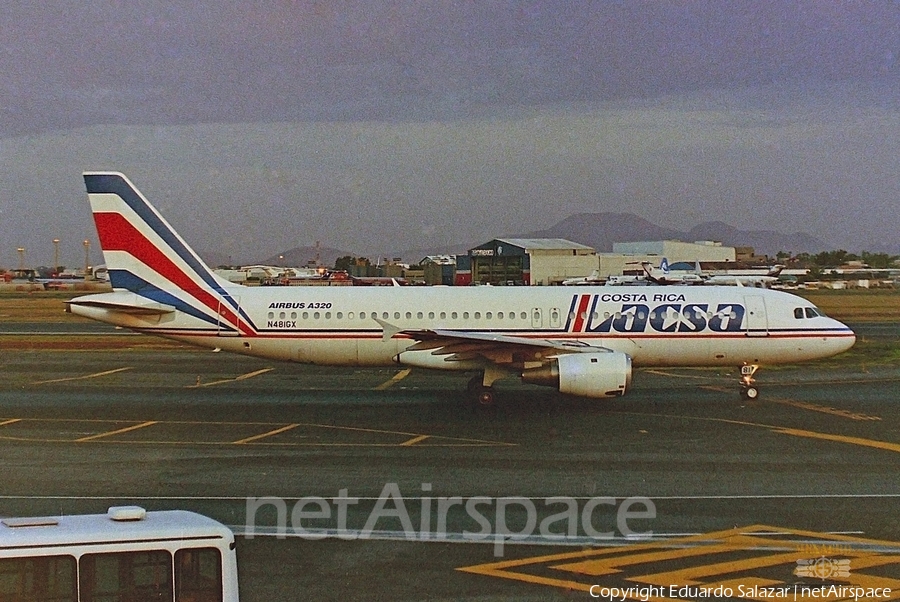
(374, 127)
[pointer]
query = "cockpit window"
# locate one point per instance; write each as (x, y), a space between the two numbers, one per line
(798, 313)
(811, 312)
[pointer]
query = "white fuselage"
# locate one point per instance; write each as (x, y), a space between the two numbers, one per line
(656, 326)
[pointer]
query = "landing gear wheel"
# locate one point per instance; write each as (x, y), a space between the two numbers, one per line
(749, 390)
(485, 397)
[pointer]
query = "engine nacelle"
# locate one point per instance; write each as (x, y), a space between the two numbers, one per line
(596, 375)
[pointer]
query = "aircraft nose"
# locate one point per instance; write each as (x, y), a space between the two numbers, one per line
(847, 340)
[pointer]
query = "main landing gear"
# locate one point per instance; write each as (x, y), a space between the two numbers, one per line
(481, 389)
(481, 395)
(749, 390)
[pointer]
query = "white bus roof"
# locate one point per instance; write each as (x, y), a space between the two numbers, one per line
(103, 529)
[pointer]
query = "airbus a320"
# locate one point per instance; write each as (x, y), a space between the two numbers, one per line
(583, 342)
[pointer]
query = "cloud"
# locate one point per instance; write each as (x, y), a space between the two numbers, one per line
(823, 164)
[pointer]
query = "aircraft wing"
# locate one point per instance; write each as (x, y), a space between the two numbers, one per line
(501, 349)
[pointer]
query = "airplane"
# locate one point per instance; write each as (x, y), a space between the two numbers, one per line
(583, 342)
(662, 275)
(666, 276)
(594, 278)
(755, 278)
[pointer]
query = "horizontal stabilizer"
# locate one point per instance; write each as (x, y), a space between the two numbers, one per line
(123, 303)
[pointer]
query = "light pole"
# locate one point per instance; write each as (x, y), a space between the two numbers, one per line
(56, 256)
(87, 253)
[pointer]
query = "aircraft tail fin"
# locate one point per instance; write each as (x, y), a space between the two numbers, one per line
(664, 265)
(145, 255)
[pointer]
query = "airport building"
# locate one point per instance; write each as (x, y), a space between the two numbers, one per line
(676, 250)
(525, 261)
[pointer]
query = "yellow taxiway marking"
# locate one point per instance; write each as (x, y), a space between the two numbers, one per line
(824, 409)
(229, 380)
(86, 376)
(885, 445)
(728, 558)
(133, 427)
(411, 439)
(785, 430)
(264, 435)
(393, 380)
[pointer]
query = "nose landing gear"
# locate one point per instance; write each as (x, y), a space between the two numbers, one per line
(749, 390)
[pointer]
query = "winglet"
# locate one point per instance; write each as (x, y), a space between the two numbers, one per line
(388, 330)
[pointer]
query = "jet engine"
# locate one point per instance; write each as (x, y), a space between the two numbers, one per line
(597, 375)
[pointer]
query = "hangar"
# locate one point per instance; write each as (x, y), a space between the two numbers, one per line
(525, 261)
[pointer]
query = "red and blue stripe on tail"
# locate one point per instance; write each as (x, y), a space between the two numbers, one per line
(145, 255)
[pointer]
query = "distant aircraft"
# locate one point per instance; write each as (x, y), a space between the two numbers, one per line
(728, 277)
(582, 342)
(746, 277)
(662, 275)
(594, 278)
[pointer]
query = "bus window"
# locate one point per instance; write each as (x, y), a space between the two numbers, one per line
(38, 579)
(132, 576)
(198, 575)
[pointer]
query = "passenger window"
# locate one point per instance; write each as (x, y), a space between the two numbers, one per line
(271, 315)
(453, 315)
(198, 575)
(798, 313)
(40, 578)
(126, 576)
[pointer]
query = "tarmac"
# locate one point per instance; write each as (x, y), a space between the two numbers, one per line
(384, 484)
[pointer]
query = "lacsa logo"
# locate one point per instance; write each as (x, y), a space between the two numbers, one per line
(666, 317)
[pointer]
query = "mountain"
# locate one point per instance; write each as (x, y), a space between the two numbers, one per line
(300, 256)
(767, 242)
(601, 230)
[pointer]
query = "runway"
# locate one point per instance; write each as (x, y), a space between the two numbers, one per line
(721, 490)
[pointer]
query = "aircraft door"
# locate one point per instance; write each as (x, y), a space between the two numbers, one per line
(537, 318)
(228, 307)
(555, 318)
(757, 321)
